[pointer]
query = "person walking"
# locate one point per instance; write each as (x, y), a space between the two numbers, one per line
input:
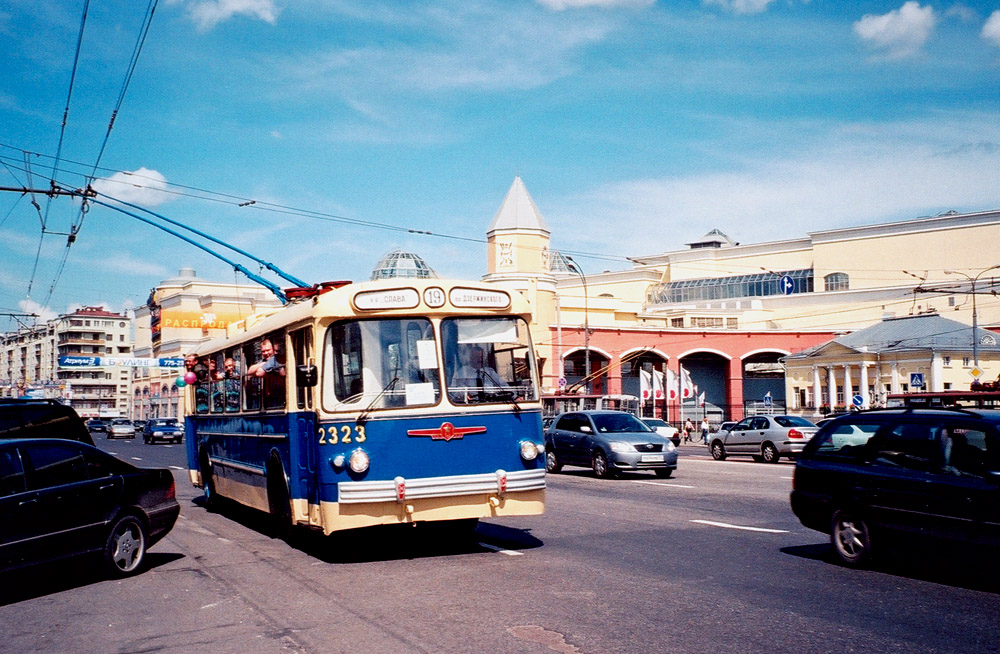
(704, 431)
(688, 431)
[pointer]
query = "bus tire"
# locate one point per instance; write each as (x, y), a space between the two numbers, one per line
(278, 502)
(207, 482)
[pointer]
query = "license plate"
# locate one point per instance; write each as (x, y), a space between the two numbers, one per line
(651, 458)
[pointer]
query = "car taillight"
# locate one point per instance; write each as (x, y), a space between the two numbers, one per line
(172, 489)
(794, 433)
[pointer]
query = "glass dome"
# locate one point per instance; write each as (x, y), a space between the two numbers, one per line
(399, 263)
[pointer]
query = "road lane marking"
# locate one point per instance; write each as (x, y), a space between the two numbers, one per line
(501, 550)
(725, 525)
(135, 458)
(656, 483)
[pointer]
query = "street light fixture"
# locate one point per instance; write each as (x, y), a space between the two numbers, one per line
(575, 267)
(975, 319)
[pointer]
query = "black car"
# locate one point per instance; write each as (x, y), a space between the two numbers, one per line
(61, 498)
(96, 426)
(162, 429)
(41, 419)
(924, 472)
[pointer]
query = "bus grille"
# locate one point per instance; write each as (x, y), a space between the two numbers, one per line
(354, 492)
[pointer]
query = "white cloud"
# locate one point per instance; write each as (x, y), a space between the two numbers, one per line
(851, 176)
(991, 30)
(740, 6)
(559, 5)
(143, 187)
(44, 313)
(122, 262)
(901, 32)
(208, 13)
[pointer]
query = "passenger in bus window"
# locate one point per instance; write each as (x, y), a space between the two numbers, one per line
(198, 367)
(271, 361)
(229, 369)
(475, 373)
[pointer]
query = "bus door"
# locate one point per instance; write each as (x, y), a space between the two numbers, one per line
(303, 453)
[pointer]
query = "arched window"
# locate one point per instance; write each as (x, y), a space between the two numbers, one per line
(836, 282)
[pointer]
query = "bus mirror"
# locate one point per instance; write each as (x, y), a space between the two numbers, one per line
(305, 376)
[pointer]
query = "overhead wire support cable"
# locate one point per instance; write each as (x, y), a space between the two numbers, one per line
(270, 266)
(271, 286)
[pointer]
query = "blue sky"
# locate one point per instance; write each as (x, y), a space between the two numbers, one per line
(636, 126)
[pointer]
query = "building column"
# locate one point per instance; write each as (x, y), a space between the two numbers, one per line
(735, 391)
(866, 400)
(894, 381)
(817, 391)
(831, 388)
(848, 386)
(936, 381)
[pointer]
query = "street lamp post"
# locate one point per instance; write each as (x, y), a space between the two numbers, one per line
(575, 267)
(975, 318)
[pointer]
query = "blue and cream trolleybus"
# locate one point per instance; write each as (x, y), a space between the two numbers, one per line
(397, 401)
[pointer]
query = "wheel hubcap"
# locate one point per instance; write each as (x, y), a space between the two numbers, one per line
(849, 538)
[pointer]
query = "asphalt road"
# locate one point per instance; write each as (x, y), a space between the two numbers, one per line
(710, 561)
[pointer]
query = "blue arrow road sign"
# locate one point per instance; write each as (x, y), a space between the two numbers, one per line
(787, 285)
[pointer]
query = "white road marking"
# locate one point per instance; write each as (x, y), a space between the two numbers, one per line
(789, 478)
(727, 462)
(657, 483)
(135, 458)
(725, 525)
(177, 467)
(501, 550)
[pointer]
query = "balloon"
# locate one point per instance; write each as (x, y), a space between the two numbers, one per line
(180, 381)
(190, 377)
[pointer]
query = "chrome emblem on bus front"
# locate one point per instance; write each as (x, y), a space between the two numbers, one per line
(446, 432)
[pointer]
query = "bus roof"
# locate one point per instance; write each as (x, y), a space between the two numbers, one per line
(381, 298)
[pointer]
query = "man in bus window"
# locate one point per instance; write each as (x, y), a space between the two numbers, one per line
(475, 373)
(270, 363)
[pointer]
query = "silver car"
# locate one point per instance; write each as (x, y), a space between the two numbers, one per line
(765, 438)
(121, 428)
(608, 442)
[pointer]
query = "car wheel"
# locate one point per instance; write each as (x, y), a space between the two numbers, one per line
(125, 549)
(552, 464)
(851, 538)
(601, 467)
(758, 458)
(664, 473)
(769, 453)
(718, 451)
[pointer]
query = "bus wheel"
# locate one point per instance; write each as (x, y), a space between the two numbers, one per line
(207, 482)
(277, 500)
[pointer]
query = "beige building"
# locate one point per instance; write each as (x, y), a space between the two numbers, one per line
(30, 366)
(180, 313)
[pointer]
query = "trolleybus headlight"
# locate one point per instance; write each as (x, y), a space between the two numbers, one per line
(359, 460)
(528, 450)
(338, 461)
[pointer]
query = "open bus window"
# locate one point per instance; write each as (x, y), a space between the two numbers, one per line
(488, 360)
(381, 364)
(232, 379)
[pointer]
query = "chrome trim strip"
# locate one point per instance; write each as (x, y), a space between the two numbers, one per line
(243, 435)
(242, 467)
(355, 492)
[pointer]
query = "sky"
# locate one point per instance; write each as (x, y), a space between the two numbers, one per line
(320, 134)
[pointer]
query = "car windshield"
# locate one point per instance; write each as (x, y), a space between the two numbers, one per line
(120, 422)
(655, 422)
(792, 421)
(611, 423)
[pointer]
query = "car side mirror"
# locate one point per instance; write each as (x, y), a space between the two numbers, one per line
(586, 429)
(305, 376)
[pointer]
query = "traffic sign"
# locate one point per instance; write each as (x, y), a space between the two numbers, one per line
(858, 401)
(976, 372)
(562, 382)
(917, 379)
(787, 285)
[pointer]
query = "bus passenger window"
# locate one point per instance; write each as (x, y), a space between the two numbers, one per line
(232, 380)
(217, 381)
(252, 384)
(199, 367)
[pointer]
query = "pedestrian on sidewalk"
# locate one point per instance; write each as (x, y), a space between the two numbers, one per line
(704, 431)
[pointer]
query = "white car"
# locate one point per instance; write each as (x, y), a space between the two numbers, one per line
(663, 428)
(121, 428)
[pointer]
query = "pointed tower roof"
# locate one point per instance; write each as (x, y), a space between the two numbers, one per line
(518, 211)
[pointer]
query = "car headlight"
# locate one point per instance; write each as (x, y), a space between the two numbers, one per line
(617, 446)
(669, 447)
(359, 461)
(529, 451)
(157, 433)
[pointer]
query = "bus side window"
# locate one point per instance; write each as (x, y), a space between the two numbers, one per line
(217, 380)
(252, 384)
(274, 370)
(302, 350)
(232, 379)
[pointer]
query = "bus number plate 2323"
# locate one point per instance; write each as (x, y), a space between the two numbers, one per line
(333, 435)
